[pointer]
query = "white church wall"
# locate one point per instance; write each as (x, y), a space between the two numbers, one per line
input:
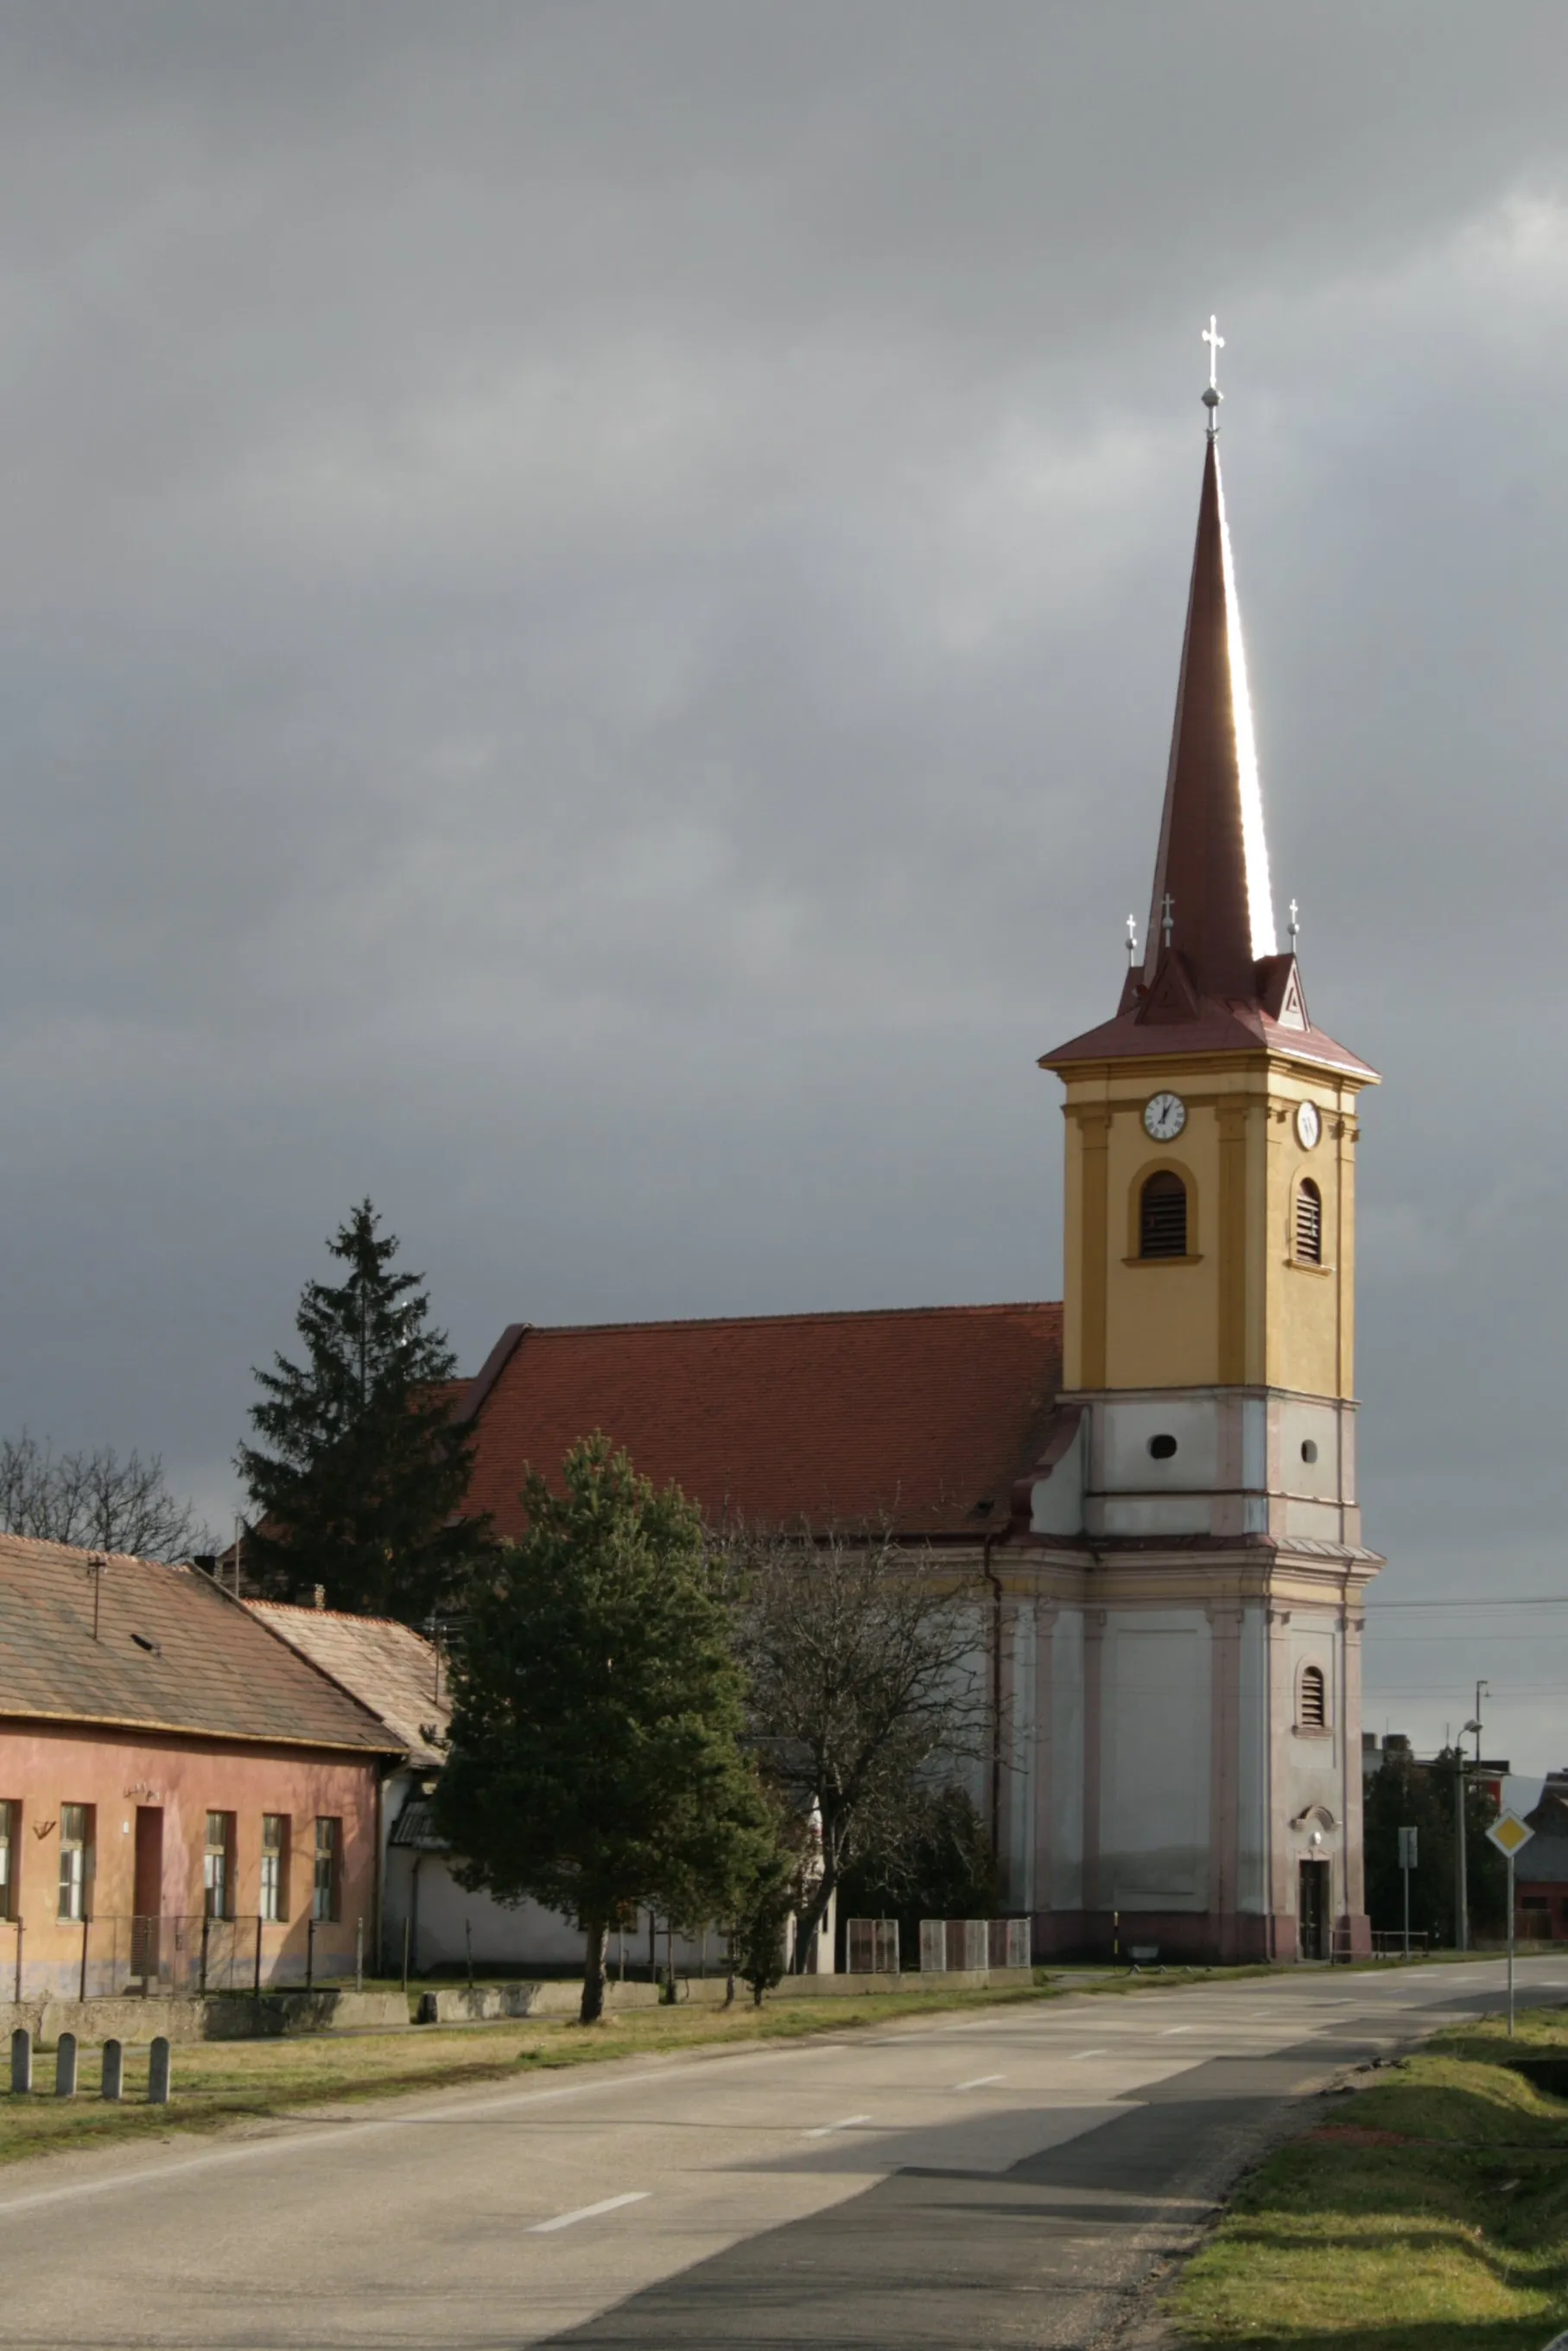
(1154, 1514)
(1056, 1503)
(1252, 1766)
(1309, 1450)
(1312, 1799)
(1065, 1732)
(1018, 1874)
(1157, 1718)
(1127, 1428)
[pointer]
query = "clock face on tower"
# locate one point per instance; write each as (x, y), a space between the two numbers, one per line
(1164, 1117)
(1308, 1125)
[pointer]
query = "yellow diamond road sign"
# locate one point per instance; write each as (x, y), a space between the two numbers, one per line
(1508, 1833)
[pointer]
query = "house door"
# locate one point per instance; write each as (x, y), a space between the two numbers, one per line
(1314, 1909)
(148, 1901)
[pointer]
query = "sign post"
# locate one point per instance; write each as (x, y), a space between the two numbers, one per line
(1406, 1864)
(1510, 1835)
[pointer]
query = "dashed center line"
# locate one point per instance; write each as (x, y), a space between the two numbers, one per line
(590, 2211)
(825, 2130)
(1080, 2054)
(979, 2082)
(1175, 2027)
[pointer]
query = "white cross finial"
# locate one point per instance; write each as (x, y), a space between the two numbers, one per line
(1132, 941)
(1295, 926)
(1167, 916)
(1212, 393)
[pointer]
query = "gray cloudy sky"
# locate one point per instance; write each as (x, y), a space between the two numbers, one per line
(589, 606)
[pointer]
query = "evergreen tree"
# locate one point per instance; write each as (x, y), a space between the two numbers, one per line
(596, 1757)
(1404, 1793)
(360, 1489)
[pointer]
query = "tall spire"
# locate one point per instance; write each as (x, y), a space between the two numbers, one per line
(1211, 978)
(1211, 895)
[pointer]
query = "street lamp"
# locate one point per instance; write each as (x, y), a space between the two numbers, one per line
(1461, 1885)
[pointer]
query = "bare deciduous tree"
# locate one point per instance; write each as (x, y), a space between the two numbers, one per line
(99, 1500)
(866, 1679)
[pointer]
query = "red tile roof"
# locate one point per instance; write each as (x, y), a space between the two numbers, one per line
(921, 1417)
(86, 1637)
(387, 1667)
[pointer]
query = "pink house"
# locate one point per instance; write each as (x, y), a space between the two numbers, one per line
(185, 1802)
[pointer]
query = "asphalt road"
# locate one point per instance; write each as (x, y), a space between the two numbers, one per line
(1011, 2177)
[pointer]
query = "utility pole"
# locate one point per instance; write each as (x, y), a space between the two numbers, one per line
(1461, 1892)
(1461, 1887)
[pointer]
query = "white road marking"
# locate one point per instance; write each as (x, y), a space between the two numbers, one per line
(1080, 2054)
(825, 2130)
(1175, 2027)
(979, 2082)
(590, 2211)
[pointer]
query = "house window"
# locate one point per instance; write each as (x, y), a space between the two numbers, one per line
(10, 1824)
(1161, 1215)
(1312, 1714)
(218, 1866)
(329, 1844)
(76, 1859)
(274, 1866)
(1309, 1223)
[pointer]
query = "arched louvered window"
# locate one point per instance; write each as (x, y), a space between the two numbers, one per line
(1312, 1713)
(1309, 1223)
(1161, 1217)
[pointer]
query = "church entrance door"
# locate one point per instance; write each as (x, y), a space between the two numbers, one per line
(1313, 1911)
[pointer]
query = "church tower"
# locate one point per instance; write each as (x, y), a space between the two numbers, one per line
(1193, 1532)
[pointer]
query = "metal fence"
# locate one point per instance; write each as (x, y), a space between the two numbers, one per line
(870, 1947)
(950, 1945)
(174, 1953)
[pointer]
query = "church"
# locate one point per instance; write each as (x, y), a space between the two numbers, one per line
(1151, 1482)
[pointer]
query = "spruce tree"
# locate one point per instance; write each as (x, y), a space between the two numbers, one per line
(363, 1474)
(597, 1758)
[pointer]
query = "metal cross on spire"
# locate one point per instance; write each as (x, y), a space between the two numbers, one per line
(1212, 395)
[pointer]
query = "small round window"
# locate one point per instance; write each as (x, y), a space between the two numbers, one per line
(1161, 1448)
(1309, 1448)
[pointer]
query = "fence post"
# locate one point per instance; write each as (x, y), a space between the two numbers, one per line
(113, 2069)
(17, 1994)
(21, 2062)
(358, 1955)
(310, 1953)
(202, 1975)
(407, 1923)
(256, 1986)
(65, 2066)
(158, 2072)
(85, 1931)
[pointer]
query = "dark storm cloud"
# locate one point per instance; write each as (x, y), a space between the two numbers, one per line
(588, 616)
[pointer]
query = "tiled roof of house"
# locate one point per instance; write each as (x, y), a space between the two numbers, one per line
(130, 1642)
(387, 1667)
(918, 1417)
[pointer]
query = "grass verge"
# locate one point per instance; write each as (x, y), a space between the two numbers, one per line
(1429, 2212)
(222, 2082)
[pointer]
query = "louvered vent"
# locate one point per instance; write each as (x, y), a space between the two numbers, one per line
(1309, 1223)
(1162, 1225)
(1315, 1712)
